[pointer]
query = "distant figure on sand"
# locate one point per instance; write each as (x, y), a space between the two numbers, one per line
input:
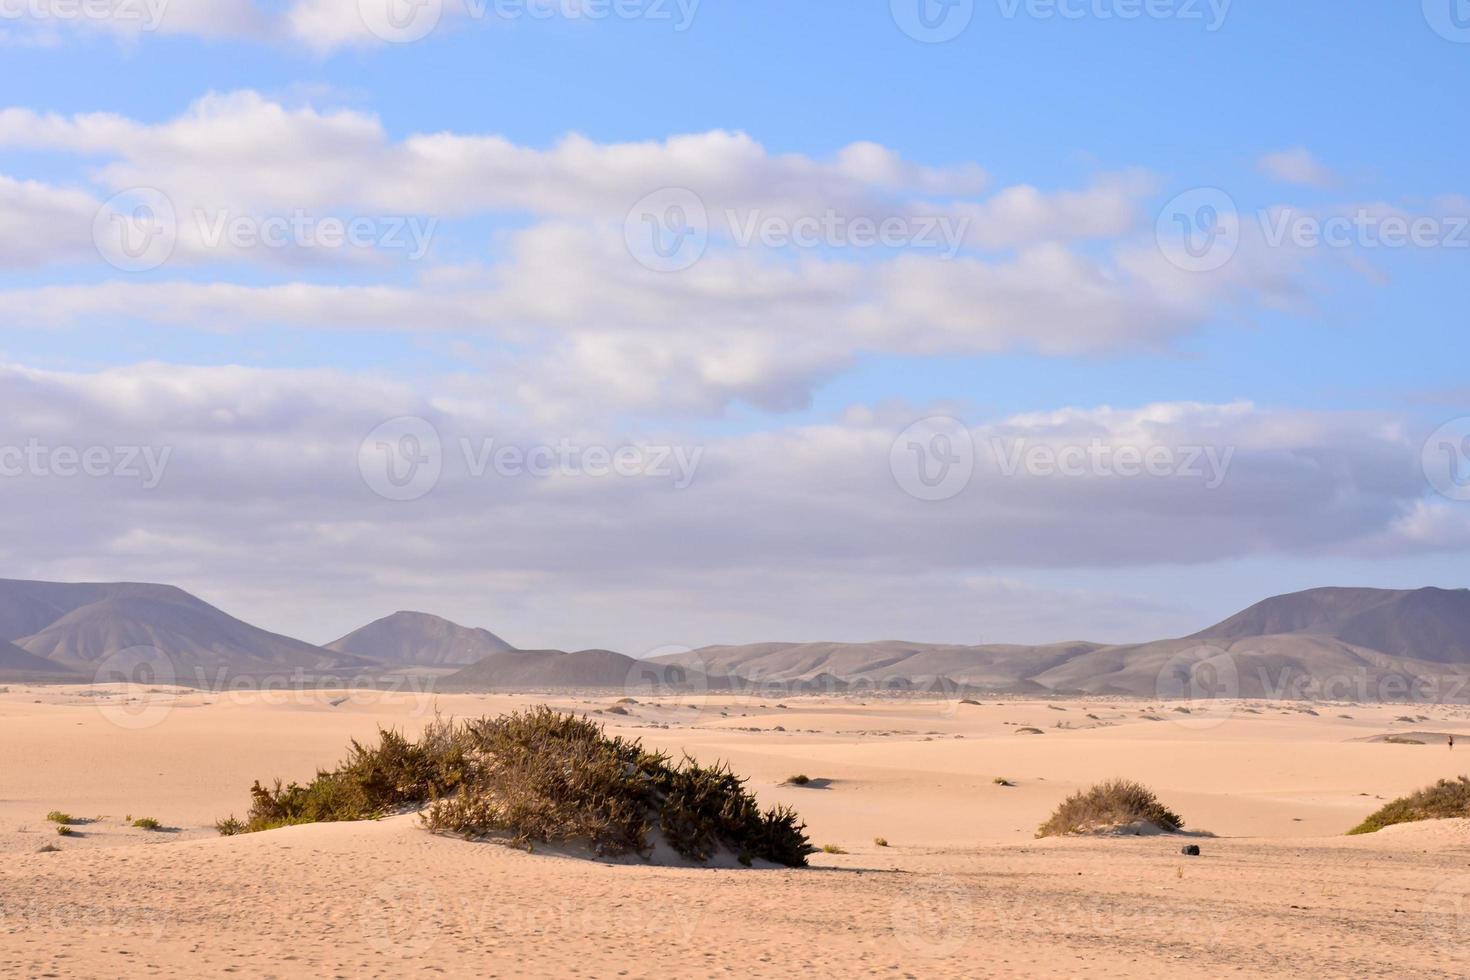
(1452, 742)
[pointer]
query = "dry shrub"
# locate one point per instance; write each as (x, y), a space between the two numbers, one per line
(540, 777)
(1115, 803)
(1446, 798)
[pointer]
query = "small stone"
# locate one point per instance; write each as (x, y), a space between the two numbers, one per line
(1191, 849)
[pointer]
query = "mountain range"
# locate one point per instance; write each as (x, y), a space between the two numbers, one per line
(1346, 643)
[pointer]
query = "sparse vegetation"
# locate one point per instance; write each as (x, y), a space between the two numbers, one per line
(64, 830)
(1446, 798)
(56, 816)
(147, 823)
(799, 779)
(1115, 803)
(616, 709)
(832, 849)
(1002, 781)
(881, 841)
(540, 777)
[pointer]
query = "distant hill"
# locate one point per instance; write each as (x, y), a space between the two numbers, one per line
(1350, 643)
(1336, 643)
(542, 669)
(202, 644)
(415, 639)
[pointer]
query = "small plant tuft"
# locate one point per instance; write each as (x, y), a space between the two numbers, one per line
(832, 849)
(798, 780)
(147, 823)
(881, 841)
(56, 816)
(64, 830)
(1115, 803)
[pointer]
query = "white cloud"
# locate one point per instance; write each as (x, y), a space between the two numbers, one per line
(263, 497)
(1297, 166)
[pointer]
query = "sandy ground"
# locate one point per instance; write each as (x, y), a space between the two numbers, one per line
(961, 890)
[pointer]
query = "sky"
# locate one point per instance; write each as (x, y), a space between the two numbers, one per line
(650, 324)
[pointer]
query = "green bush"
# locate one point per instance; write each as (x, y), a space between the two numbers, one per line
(1446, 798)
(1115, 803)
(539, 777)
(147, 823)
(56, 816)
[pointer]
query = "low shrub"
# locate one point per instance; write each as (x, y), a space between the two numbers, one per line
(56, 816)
(64, 830)
(881, 841)
(540, 776)
(798, 780)
(147, 823)
(1446, 798)
(832, 849)
(1115, 803)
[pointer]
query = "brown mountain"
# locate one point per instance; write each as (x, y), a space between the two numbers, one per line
(1370, 644)
(415, 639)
(202, 644)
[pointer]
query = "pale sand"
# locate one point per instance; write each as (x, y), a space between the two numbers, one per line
(963, 890)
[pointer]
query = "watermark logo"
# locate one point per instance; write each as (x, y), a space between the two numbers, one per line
(686, 681)
(1446, 459)
(136, 230)
(144, 15)
(1450, 19)
(146, 464)
(1211, 13)
(932, 21)
(143, 666)
(1199, 231)
(400, 21)
(933, 459)
(402, 459)
(1207, 678)
(1447, 914)
(1207, 464)
(667, 231)
(402, 917)
(934, 917)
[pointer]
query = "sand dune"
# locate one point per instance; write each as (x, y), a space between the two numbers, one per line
(962, 890)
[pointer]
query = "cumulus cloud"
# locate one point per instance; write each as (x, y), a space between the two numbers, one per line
(264, 495)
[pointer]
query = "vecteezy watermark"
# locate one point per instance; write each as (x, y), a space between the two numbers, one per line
(139, 230)
(835, 229)
(402, 917)
(1209, 13)
(934, 458)
(933, 917)
(1208, 464)
(404, 458)
(1450, 19)
(667, 230)
(1200, 229)
(670, 229)
(404, 21)
(1207, 678)
(1446, 459)
(932, 21)
(144, 666)
(143, 15)
(1447, 915)
(409, 234)
(146, 464)
(136, 230)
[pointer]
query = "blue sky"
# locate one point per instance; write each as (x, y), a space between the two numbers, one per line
(521, 323)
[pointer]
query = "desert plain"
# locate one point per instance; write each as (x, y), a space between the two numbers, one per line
(960, 886)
